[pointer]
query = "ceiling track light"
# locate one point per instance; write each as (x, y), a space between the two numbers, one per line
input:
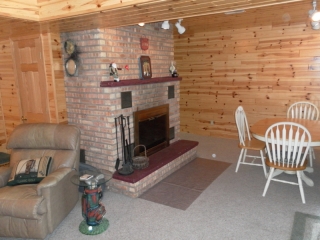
(315, 16)
(181, 29)
(141, 24)
(165, 25)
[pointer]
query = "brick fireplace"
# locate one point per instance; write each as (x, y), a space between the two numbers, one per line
(93, 106)
(94, 100)
(145, 94)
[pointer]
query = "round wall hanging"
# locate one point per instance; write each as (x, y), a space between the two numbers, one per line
(71, 66)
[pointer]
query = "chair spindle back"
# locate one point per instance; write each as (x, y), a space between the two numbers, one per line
(242, 125)
(287, 144)
(303, 110)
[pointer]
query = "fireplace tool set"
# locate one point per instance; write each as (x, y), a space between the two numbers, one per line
(130, 162)
(127, 164)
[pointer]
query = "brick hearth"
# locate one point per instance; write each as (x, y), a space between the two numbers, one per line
(161, 165)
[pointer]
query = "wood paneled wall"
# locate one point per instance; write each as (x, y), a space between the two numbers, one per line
(55, 77)
(10, 108)
(10, 102)
(264, 59)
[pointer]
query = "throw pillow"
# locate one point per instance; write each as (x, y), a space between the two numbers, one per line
(30, 171)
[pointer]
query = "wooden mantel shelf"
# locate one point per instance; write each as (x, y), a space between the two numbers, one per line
(129, 82)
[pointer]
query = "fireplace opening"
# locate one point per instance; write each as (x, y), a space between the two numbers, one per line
(151, 129)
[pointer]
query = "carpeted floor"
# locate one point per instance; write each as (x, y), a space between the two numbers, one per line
(181, 188)
(305, 227)
(231, 207)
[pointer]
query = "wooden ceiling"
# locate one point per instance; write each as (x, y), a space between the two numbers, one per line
(17, 17)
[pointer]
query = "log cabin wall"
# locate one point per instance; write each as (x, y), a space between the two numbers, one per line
(264, 59)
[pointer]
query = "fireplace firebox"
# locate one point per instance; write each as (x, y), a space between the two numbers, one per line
(151, 129)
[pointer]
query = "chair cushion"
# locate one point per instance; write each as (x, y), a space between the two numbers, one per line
(22, 201)
(30, 171)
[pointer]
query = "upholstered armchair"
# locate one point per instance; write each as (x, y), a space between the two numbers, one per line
(32, 204)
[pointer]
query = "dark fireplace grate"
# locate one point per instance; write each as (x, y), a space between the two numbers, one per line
(151, 129)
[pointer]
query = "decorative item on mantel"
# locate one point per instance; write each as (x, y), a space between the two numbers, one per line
(144, 43)
(113, 70)
(145, 67)
(173, 70)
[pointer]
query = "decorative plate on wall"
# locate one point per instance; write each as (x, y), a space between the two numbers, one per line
(71, 67)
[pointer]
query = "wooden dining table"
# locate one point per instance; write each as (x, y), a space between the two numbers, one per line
(259, 129)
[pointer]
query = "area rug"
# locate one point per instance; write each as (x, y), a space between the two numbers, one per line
(181, 188)
(305, 227)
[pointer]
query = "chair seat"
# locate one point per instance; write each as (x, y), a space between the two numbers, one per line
(254, 144)
(285, 168)
(22, 201)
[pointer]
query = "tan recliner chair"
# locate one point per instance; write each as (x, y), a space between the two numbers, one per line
(35, 210)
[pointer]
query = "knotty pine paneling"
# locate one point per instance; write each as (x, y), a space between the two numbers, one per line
(264, 59)
(10, 107)
(87, 14)
(47, 58)
(58, 72)
(55, 88)
(9, 101)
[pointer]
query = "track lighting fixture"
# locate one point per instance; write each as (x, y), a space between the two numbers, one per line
(141, 24)
(165, 25)
(180, 28)
(315, 16)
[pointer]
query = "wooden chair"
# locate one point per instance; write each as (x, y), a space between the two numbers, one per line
(304, 110)
(248, 143)
(287, 146)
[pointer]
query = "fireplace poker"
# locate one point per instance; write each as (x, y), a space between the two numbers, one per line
(123, 138)
(130, 152)
(118, 159)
